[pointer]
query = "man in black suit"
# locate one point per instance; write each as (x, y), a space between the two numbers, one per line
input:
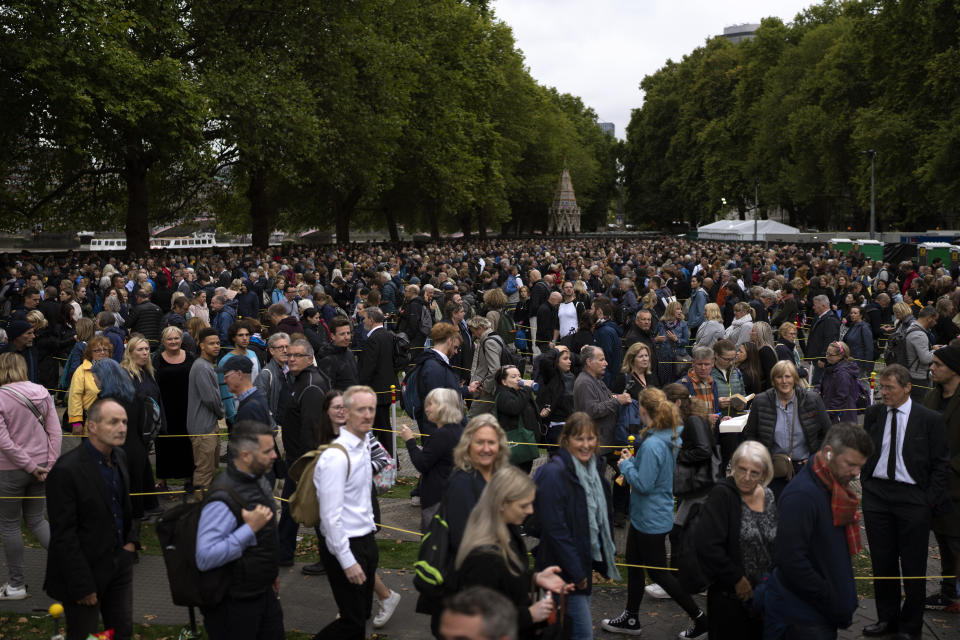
(904, 486)
(92, 543)
(825, 329)
(376, 371)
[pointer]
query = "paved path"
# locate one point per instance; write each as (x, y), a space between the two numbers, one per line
(308, 603)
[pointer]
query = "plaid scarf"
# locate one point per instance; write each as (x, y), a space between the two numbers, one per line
(843, 504)
(702, 390)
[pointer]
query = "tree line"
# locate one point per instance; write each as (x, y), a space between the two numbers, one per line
(795, 109)
(342, 114)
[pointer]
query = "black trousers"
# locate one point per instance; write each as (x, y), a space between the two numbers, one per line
(114, 603)
(898, 531)
(949, 562)
(259, 618)
(729, 618)
(650, 550)
(354, 602)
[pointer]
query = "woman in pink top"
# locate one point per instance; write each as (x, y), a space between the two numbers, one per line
(29, 445)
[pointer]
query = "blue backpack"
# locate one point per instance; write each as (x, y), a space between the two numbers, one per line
(410, 392)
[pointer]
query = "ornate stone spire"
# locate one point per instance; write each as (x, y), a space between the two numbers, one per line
(564, 212)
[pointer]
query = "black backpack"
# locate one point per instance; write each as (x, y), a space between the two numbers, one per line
(896, 351)
(177, 533)
(435, 561)
(401, 351)
(508, 354)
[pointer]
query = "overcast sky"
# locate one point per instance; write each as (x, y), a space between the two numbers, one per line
(600, 50)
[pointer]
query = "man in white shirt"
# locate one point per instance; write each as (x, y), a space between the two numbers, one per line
(347, 547)
(568, 311)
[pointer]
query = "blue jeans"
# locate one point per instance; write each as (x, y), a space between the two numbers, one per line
(578, 610)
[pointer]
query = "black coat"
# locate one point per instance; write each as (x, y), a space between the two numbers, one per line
(718, 535)
(375, 364)
(146, 318)
(434, 461)
(811, 415)
(925, 453)
(695, 460)
(340, 366)
(83, 542)
(514, 405)
(434, 373)
(825, 329)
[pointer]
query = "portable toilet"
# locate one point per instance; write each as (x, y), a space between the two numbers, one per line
(872, 249)
(840, 244)
(927, 252)
(954, 256)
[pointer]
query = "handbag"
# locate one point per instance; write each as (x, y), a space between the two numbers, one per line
(782, 463)
(522, 442)
(387, 477)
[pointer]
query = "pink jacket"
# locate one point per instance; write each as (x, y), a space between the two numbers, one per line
(24, 442)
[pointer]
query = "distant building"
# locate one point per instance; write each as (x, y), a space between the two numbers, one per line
(564, 212)
(740, 32)
(608, 128)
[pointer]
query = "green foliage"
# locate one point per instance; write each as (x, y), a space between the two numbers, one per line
(328, 113)
(794, 108)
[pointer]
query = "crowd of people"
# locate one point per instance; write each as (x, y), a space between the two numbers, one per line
(563, 390)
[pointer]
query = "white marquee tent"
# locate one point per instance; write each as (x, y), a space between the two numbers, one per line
(743, 230)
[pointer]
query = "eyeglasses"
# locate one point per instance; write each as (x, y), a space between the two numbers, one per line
(280, 347)
(747, 473)
(100, 350)
(297, 355)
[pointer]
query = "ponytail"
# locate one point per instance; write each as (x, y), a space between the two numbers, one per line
(663, 413)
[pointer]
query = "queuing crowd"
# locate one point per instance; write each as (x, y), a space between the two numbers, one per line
(643, 356)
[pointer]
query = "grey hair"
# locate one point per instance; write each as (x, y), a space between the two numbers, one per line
(702, 353)
(822, 299)
(303, 342)
(479, 322)
(847, 435)
(277, 337)
(497, 614)
(769, 294)
(589, 352)
(245, 436)
(756, 452)
(375, 314)
(447, 402)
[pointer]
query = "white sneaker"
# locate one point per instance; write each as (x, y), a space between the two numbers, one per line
(8, 592)
(656, 591)
(414, 501)
(387, 607)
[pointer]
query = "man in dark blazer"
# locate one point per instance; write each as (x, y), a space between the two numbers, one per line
(375, 365)
(825, 329)
(92, 543)
(904, 487)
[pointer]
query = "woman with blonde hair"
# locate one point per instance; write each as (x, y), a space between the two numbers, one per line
(434, 460)
(83, 387)
(672, 339)
(712, 328)
(492, 553)
(636, 373)
(650, 475)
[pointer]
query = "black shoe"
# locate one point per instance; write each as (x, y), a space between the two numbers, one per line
(286, 562)
(938, 601)
(619, 520)
(698, 629)
(315, 569)
(879, 629)
(626, 623)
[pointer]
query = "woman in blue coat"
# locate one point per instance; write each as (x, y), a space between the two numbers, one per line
(573, 507)
(859, 338)
(650, 475)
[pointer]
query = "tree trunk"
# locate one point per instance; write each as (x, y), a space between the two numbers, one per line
(465, 220)
(481, 224)
(434, 219)
(259, 209)
(138, 221)
(343, 208)
(391, 220)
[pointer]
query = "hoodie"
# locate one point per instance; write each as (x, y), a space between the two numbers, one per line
(840, 389)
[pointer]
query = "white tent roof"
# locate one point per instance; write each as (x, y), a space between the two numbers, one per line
(743, 229)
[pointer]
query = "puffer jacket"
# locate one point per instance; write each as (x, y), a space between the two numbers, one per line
(919, 354)
(811, 414)
(839, 389)
(739, 330)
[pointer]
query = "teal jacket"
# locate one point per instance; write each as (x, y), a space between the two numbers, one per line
(650, 475)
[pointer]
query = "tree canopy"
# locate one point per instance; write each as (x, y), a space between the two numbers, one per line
(332, 114)
(794, 109)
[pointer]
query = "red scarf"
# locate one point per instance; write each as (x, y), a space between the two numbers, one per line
(843, 504)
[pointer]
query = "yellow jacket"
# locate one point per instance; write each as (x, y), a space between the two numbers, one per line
(83, 392)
